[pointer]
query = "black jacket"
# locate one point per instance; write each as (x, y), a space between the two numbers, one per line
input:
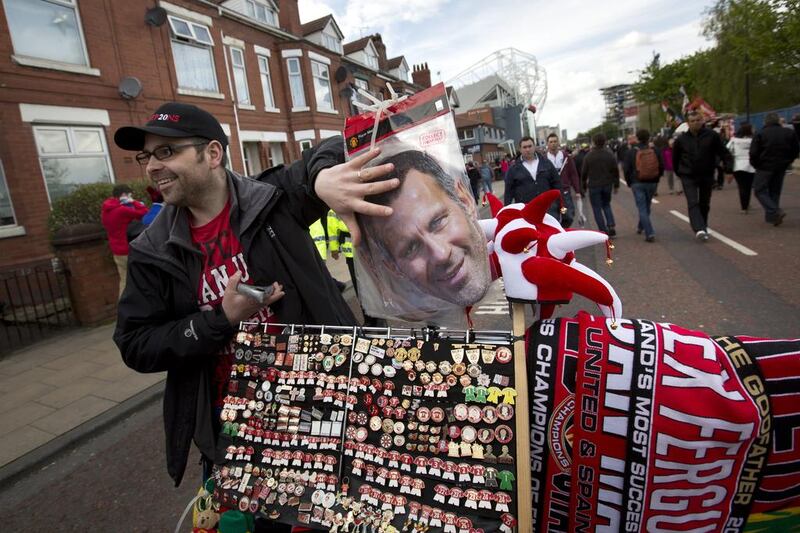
(694, 156)
(599, 169)
(159, 325)
(630, 164)
(520, 185)
(774, 148)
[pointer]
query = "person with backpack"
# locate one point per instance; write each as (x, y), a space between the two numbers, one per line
(643, 168)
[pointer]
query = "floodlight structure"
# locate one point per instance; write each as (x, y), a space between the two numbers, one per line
(520, 70)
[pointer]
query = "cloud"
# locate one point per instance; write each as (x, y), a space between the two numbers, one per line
(633, 39)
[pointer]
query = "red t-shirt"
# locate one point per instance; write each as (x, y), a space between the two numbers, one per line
(222, 258)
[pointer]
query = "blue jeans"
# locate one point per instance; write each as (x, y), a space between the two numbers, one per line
(643, 194)
(600, 197)
(767, 187)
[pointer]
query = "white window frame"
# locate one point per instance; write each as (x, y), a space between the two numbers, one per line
(70, 130)
(251, 6)
(321, 74)
(13, 229)
(266, 83)
(40, 62)
(469, 134)
(332, 42)
(372, 60)
(298, 100)
(194, 37)
(234, 50)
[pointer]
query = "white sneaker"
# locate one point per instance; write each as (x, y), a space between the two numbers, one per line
(701, 235)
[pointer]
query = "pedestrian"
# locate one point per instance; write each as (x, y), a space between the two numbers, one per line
(504, 166)
(137, 226)
(530, 176)
(644, 166)
(669, 173)
(117, 212)
(486, 176)
(474, 181)
(772, 151)
(743, 171)
(570, 179)
(694, 156)
(217, 230)
(600, 177)
(580, 156)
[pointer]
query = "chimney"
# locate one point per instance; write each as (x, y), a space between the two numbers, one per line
(289, 16)
(377, 41)
(421, 75)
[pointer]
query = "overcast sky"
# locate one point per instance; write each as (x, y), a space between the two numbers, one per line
(582, 45)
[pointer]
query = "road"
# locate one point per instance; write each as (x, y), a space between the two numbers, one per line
(117, 480)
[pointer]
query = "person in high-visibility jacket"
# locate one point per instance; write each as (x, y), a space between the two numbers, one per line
(317, 232)
(340, 242)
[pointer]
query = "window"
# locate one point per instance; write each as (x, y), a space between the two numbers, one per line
(47, 29)
(306, 144)
(266, 82)
(372, 60)
(261, 13)
(71, 156)
(7, 217)
(465, 135)
(296, 82)
(192, 49)
(322, 85)
(240, 76)
(361, 84)
(331, 42)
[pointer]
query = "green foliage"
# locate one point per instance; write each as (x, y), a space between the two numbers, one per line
(608, 128)
(756, 37)
(83, 205)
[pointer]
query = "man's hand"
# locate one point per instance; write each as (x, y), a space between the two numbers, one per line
(345, 186)
(238, 307)
(335, 254)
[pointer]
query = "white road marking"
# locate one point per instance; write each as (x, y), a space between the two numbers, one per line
(730, 242)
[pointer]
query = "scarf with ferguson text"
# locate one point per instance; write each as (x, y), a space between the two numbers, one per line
(653, 427)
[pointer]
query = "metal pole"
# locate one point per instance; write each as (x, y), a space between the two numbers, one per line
(747, 86)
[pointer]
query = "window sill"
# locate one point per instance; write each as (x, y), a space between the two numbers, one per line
(201, 94)
(272, 110)
(300, 109)
(248, 107)
(328, 111)
(11, 231)
(55, 65)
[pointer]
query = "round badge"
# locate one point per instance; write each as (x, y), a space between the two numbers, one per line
(376, 369)
(505, 411)
(347, 340)
(468, 434)
(485, 435)
(265, 386)
(454, 432)
(386, 440)
(399, 440)
(424, 378)
(503, 354)
(474, 414)
(465, 380)
(316, 497)
(423, 414)
(413, 354)
(460, 412)
(419, 366)
(350, 432)
(489, 414)
(370, 359)
(351, 417)
(361, 434)
(328, 500)
(363, 368)
(451, 380)
(244, 504)
(401, 354)
(358, 357)
(430, 367)
(503, 434)
(445, 367)
(474, 371)
(408, 365)
(437, 415)
(375, 423)
(389, 371)
(459, 369)
(327, 363)
(399, 427)
(362, 418)
(382, 401)
(437, 378)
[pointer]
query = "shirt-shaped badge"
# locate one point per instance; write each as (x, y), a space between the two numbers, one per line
(508, 395)
(506, 479)
(494, 393)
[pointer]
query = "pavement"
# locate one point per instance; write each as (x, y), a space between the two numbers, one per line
(63, 390)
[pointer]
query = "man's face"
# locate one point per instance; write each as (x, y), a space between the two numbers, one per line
(435, 242)
(182, 178)
(552, 144)
(695, 123)
(526, 148)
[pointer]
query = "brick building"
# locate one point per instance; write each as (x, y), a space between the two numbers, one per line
(73, 71)
(480, 139)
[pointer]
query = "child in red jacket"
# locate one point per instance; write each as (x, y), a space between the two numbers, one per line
(118, 211)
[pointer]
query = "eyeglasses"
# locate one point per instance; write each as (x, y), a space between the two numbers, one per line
(164, 152)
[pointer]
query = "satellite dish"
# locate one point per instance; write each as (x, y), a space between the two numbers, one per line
(155, 16)
(129, 88)
(341, 74)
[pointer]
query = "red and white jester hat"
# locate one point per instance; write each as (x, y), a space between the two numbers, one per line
(535, 256)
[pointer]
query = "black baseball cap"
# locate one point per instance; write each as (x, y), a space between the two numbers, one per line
(172, 119)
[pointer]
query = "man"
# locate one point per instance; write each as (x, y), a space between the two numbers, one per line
(432, 238)
(117, 212)
(694, 161)
(181, 307)
(529, 177)
(644, 166)
(474, 181)
(565, 165)
(772, 151)
(486, 175)
(600, 177)
(580, 157)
